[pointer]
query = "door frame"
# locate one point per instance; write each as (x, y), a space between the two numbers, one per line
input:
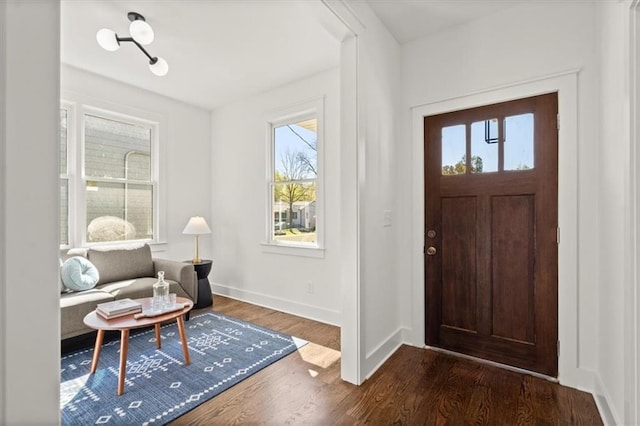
(566, 84)
(532, 194)
(632, 245)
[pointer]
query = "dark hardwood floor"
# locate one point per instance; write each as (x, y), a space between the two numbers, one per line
(415, 386)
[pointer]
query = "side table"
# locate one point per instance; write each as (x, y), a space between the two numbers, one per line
(204, 288)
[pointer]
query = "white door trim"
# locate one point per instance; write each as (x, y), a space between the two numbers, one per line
(351, 339)
(3, 299)
(632, 293)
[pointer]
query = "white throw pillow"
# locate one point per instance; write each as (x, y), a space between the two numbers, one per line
(79, 274)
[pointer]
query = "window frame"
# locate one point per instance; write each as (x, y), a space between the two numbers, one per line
(312, 109)
(70, 109)
(78, 178)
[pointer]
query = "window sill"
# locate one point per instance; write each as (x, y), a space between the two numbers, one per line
(293, 250)
(156, 246)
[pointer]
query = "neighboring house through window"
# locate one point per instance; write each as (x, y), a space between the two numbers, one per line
(295, 168)
(108, 177)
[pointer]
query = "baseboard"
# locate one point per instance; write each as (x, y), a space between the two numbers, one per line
(315, 313)
(602, 398)
(381, 354)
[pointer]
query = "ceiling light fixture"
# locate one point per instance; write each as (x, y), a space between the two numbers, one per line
(141, 34)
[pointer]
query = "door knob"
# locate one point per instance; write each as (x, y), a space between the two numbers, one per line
(431, 250)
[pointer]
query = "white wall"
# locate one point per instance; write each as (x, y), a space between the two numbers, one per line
(185, 150)
(3, 189)
(378, 104)
(242, 268)
(29, 190)
(616, 376)
(517, 45)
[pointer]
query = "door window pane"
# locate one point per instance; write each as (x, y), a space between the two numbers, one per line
(454, 148)
(484, 146)
(518, 143)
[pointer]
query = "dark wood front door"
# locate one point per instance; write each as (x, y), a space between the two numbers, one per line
(491, 217)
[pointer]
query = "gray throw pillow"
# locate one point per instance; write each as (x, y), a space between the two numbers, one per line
(122, 263)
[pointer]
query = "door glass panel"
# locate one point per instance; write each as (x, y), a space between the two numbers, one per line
(484, 146)
(454, 148)
(518, 143)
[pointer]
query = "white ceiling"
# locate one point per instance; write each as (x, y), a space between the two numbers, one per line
(223, 50)
(218, 50)
(411, 19)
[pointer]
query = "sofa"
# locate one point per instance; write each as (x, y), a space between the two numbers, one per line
(124, 272)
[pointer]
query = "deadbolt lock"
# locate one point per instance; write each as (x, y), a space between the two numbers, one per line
(431, 250)
(431, 233)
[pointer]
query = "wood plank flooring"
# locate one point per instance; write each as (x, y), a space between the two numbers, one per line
(415, 386)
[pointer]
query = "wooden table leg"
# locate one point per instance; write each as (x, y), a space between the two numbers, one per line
(96, 351)
(183, 339)
(158, 337)
(124, 347)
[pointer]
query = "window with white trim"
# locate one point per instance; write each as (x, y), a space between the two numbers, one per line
(115, 178)
(295, 216)
(64, 176)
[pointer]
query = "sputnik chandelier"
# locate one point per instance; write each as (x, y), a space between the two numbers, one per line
(141, 35)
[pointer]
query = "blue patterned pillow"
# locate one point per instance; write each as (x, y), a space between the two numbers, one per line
(79, 274)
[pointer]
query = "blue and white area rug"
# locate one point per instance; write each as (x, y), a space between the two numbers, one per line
(159, 387)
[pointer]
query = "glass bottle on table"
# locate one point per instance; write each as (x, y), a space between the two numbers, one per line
(160, 293)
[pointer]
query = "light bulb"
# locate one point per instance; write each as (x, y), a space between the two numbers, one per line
(107, 40)
(159, 67)
(141, 32)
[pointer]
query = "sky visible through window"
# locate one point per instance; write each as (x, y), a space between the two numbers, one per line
(290, 140)
(518, 145)
(295, 170)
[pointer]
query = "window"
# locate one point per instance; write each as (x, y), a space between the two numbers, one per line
(114, 175)
(64, 177)
(294, 173)
(496, 145)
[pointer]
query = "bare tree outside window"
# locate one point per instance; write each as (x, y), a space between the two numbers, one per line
(295, 173)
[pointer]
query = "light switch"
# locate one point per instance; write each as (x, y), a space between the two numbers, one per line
(386, 221)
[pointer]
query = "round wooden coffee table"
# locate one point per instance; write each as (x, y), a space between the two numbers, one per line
(128, 322)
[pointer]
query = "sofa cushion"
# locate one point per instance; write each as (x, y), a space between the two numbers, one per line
(122, 263)
(75, 306)
(79, 274)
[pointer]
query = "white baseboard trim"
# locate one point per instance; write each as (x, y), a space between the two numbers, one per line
(602, 398)
(381, 354)
(315, 313)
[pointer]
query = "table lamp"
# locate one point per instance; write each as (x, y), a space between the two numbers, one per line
(197, 226)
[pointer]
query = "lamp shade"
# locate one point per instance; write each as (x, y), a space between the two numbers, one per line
(141, 32)
(107, 40)
(196, 226)
(159, 67)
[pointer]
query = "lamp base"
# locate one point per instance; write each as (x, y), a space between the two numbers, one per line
(197, 260)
